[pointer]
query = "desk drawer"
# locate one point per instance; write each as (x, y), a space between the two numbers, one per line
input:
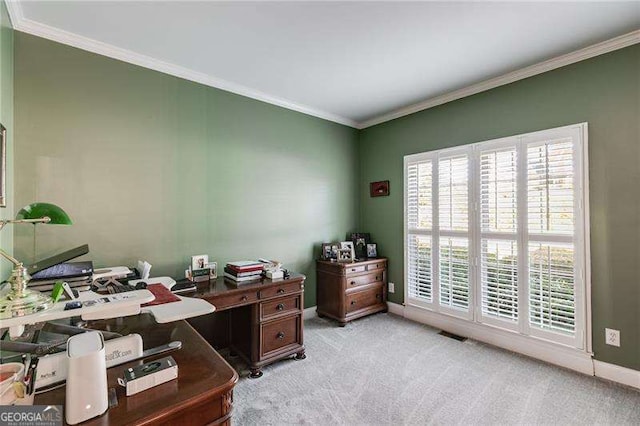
(364, 299)
(280, 290)
(279, 306)
(378, 265)
(233, 300)
(279, 334)
(354, 269)
(364, 279)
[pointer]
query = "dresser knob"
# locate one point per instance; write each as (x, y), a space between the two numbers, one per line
(353, 302)
(280, 335)
(377, 278)
(353, 283)
(377, 296)
(353, 269)
(280, 306)
(244, 298)
(280, 290)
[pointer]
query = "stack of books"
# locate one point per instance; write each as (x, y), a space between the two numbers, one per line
(242, 271)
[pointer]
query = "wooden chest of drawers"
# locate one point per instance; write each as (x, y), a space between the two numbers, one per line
(347, 291)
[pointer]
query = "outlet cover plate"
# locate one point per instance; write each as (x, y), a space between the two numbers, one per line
(612, 337)
(392, 287)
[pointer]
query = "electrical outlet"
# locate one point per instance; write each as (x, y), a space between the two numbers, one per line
(392, 288)
(612, 337)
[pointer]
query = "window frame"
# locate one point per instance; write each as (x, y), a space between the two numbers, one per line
(580, 238)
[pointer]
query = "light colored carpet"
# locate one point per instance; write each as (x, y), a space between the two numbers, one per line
(385, 370)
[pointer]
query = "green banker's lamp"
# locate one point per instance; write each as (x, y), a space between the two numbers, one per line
(20, 301)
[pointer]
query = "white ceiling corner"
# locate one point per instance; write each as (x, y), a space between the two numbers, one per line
(354, 63)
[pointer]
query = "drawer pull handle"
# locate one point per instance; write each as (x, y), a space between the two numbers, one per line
(280, 290)
(244, 298)
(353, 269)
(353, 283)
(280, 335)
(377, 278)
(280, 306)
(353, 302)
(377, 296)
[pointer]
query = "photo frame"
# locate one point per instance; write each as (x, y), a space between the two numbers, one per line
(3, 166)
(345, 255)
(372, 250)
(213, 270)
(325, 252)
(199, 261)
(379, 189)
(347, 245)
(334, 250)
(360, 241)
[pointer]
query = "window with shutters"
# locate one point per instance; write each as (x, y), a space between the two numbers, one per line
(496, 233)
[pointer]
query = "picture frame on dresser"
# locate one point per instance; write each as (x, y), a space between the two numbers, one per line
(347, 245)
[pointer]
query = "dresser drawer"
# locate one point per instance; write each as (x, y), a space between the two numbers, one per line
(378, 265)
(363, 299)
(364, 279)
(234, 300)
(354, 269)
(279, 306)
(280, 290)
(279, 334)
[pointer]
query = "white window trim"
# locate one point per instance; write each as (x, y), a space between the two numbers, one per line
(581, 239)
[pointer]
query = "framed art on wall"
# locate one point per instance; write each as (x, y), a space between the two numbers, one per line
(379, 189)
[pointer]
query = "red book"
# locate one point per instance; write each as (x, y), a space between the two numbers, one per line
(240, 269)
(163, 295)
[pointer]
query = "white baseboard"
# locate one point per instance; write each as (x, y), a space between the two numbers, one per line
(553, 353)
(396, 308)
(309, 313)
(616, 373)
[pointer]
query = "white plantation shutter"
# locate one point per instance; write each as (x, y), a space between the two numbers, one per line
(499, 279)
(499, 218)
(419, 177)
(551, 287)
(419, 273)
(496, 233)
(419, 180)
(498, 190)
(454, 272)
(453, 193)
(550, 187)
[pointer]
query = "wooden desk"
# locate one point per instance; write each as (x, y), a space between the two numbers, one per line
(264, 318)
(202, 394)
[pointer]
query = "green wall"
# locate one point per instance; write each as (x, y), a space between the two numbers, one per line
(603, 91)
(6, 118)
(154, 167)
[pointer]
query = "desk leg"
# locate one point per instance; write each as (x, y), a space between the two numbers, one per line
(255, 373)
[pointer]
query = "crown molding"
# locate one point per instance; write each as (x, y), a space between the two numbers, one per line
(22, 24)
(539, 68)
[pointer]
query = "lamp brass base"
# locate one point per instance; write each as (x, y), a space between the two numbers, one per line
(29, 302)
(20, 301)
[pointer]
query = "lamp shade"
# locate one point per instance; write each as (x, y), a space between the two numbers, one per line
(40, 210)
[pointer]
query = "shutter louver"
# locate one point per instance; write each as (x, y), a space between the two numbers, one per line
(498, 190)
(499, 277)
(419, 268)
(550, 187)
(453, 193)
(454, 272)
(551, 287)
(419, 179)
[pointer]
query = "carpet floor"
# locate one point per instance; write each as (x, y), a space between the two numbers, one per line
(385, 370)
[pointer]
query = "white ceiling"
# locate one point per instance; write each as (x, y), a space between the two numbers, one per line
(346, 61)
